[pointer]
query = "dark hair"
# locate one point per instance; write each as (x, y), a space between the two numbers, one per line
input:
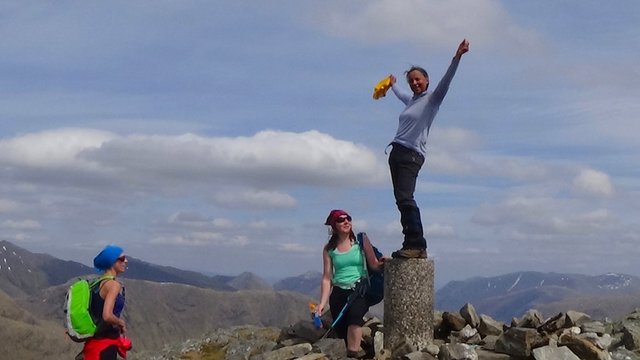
(416, 68)
(333, 240)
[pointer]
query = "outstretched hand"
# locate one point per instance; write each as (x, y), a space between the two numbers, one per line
(462, 48)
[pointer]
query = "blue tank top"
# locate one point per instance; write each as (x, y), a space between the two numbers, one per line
(105, 330)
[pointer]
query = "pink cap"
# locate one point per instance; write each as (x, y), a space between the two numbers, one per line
(334, 215)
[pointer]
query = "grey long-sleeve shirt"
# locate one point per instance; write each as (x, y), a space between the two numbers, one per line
(416, 118)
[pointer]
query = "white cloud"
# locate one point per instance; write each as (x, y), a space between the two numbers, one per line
(296, 248)
(439, 231)
(20, 225)
(7, 205)
(432, 22)
(267, 159)
(51, 149)
(201, 238)
(255, 199)
(594, 183)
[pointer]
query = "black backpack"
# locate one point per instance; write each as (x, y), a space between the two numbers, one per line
(375, 291)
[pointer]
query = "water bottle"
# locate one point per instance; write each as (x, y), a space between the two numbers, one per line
(317, 322)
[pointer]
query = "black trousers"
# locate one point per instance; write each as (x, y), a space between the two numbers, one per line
(353, 315)
(405, 164)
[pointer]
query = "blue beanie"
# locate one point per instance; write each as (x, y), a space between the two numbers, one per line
(107, 257)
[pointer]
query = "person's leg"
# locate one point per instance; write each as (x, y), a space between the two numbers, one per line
(337, 300)
(354, 337)
(355, 321)
(404, 165)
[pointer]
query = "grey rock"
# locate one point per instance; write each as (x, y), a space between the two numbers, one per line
(378, 342)
(490, 355)
(314, 356)
(576, 318)
(383, 355)
(432, 349)
(489, 326)
(404, 347)
(304, 330)
(333, 348)
(469, 314)
(519, 341)
(553, 324)
(457, 352)
(631, 335)
(418, 355)
(554, 353)
(453, 321)
(583, 347)
(467, 335)
(531, 319)
(285, 353)
(489, 342)
(624, 354)
(593, 327)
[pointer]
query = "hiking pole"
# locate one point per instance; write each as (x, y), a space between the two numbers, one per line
(336, 320)
(350, 300)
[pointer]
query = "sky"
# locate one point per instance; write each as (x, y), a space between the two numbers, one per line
(217, 135)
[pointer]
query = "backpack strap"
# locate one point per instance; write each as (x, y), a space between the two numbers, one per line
(360, 238)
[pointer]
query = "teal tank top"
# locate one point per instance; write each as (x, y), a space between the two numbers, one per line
(348, 267)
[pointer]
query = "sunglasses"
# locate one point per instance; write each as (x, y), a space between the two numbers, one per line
(341, 219)
(122, 258)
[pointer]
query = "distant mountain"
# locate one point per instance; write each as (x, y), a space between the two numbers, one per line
(22, 336)
(24, 273)
(248, 281)
(307, 283)
(167, 313)
(506, 296)
(142, 270)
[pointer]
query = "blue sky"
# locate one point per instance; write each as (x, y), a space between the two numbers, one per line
(216, 136)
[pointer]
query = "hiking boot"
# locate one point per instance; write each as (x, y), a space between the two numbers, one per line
(361, 354)
(409, 254)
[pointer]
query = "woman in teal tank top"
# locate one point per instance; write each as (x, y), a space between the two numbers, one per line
(343, 267)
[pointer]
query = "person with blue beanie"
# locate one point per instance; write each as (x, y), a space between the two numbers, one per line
(106, 305)
(409, 148)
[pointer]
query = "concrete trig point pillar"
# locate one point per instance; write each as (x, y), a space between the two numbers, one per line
(408, 303)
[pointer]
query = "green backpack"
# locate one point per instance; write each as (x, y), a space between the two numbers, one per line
(79, 323)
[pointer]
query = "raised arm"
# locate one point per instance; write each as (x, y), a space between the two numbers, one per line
(462, 49)
(443, 85)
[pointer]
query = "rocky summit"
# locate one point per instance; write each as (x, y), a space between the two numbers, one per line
(460, 335)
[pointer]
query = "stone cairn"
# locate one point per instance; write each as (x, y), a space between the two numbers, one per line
(462, 335)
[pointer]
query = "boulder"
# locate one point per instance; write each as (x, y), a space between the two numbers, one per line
(418, 355)
(488, 326)
(332, 348)
(576, 318)
(285, 353)
(452, 321)
(519, 341)
(490, 355)
(554, 353)
(583, 347)
(457, 352)
(303, 330)
(531, 319)
(631, 335)
(593, 327)
(469, 314)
